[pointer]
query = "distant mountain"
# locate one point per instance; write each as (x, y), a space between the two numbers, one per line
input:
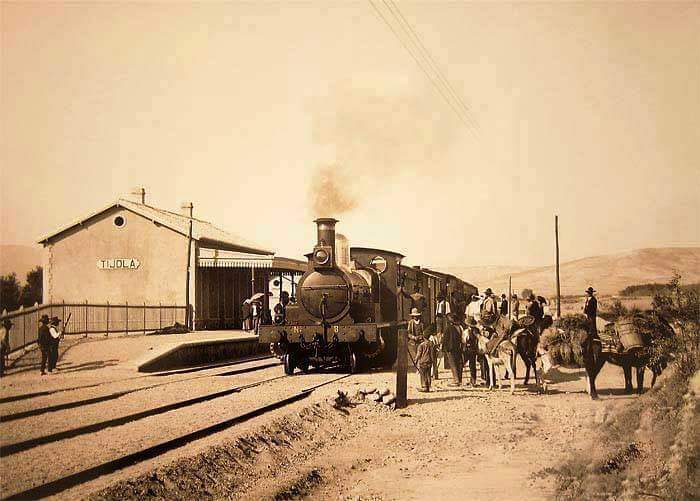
(481, 276)
(608, 274)
(19, 259)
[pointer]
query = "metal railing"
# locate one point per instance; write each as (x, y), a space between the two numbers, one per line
(88, 318)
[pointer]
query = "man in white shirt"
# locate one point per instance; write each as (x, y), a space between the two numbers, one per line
(55, 339)
(474, 308)
(441, 311)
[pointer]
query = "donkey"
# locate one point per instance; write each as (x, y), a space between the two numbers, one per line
(525, 341)
(594, 357)
(502, 358)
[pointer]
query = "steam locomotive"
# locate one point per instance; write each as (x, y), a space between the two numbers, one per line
(351, 304)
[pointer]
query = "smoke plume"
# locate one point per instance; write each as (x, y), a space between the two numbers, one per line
(378, 134)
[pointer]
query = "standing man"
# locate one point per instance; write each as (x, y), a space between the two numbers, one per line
(471, 348)
(441, 311)
(44, 342)
(246, 314)
(590, 309)
(535, 311)
(415, 327)
(4, 344)
(256, 313)
(452, 347)
(473, 310)
(55, 339)
(504, 306)
(489, 312)
(515, 307)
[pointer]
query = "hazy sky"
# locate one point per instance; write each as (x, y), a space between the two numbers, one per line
(587, 110)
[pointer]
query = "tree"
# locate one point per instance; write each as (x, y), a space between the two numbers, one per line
(32, 291)
(9, 292)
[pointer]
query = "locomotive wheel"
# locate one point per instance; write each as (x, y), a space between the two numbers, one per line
(289, 363)
(304, 364)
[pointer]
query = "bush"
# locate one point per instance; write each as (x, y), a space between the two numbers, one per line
(652, 447)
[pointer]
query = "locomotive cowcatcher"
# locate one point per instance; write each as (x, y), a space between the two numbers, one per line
(346, 312)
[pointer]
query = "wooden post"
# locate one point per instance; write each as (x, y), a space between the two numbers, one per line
(160, 315)
(86, 318)
(402, 369)
(144, 318)
(189, 257)
(127, 317)
(510, 297)
(107, 333)
(24, 330)
(556, 238)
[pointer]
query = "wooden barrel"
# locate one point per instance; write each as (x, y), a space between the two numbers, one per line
(629, 335)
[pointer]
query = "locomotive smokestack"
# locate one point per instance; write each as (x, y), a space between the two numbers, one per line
(325, 227)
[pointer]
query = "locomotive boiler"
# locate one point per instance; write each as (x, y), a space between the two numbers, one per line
(346, 311)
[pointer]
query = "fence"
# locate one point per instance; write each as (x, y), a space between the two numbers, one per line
(92, 319)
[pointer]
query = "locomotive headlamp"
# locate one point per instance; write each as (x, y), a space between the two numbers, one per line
(321, 256)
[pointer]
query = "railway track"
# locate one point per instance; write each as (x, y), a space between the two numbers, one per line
(27, 396)
(63, 483)
(118, 394)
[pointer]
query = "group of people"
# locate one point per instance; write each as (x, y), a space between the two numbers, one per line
(255, 312)
(50, 335)
(455, 334)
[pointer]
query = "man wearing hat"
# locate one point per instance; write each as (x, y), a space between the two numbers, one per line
(489, 312)
(55, 339)
(415, 326)
(474, 308)
(44, 341)
(471, 347)
(4, 344)
(441, 311)
(452, 347)
(590, 309)
(503, 308)
(515, 306)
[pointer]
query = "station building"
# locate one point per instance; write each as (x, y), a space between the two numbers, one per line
(133, 253)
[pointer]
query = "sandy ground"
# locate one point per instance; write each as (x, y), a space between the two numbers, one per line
(464, 443)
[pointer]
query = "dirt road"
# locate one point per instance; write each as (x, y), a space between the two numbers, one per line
(464, 444)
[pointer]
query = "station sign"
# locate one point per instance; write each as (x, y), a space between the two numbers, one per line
(121, 263)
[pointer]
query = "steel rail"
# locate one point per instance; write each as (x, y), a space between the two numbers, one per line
(61, 484)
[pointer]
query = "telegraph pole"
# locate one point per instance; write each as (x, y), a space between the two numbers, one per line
(510, 296)
(189, 257)
(556, 239)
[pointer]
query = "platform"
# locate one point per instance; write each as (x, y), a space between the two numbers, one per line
(209, 347)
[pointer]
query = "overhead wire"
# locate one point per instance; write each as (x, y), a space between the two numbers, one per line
(417, 59)
(412, 33)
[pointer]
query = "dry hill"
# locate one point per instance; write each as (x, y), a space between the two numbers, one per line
(607, 274)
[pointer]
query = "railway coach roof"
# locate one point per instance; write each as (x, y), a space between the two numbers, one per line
(201, 230)
(377, 251)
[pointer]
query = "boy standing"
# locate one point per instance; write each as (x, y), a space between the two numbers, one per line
(424, 360)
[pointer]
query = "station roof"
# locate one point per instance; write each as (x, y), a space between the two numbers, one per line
(203, 231)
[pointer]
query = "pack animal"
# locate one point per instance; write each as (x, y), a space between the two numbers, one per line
(503, 357)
